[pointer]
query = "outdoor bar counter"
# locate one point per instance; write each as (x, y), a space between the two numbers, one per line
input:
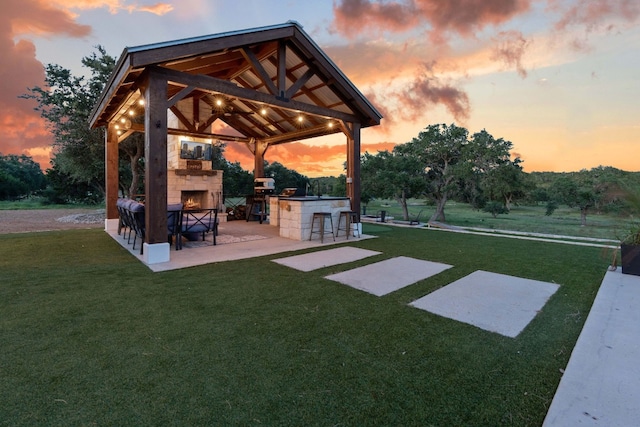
(293, 215)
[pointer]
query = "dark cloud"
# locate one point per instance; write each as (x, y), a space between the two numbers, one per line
(427, 91)
(355, 16)
(463, 17)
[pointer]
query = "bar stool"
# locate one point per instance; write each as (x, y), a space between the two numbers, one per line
(322, 217)
(349, 218)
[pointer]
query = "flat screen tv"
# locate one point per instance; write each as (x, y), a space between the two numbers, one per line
(195, 150)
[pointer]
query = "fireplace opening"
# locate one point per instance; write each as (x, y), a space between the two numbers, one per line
(193, 199)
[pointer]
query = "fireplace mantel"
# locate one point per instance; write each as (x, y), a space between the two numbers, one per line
(196, 172)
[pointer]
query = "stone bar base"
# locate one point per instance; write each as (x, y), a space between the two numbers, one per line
(294, 214)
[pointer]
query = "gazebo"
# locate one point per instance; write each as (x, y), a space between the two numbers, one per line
(272, 85)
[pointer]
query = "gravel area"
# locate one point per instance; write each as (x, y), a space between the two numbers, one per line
(22, 221)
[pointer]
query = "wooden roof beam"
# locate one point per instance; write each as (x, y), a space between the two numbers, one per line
(260, 71)
(311, 132)
(225, 87)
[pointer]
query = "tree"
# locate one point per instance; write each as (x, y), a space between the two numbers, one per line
(443, 155)
(62, 190)
(284, 178)
(499, 177)
(397, 175)
(19, 176)
(66, 102)
(577, 190)
(340, 187)
(506, 182)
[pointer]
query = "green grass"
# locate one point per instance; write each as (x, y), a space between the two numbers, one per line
(90, 336)
(564, 221)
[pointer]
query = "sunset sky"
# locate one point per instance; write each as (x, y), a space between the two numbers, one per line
(560, 79)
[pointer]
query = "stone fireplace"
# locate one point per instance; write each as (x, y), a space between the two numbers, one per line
(192, 182)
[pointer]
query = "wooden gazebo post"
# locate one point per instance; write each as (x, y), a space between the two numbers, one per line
(352, 131)
(260, 148)
(111, 177)
(156, 247)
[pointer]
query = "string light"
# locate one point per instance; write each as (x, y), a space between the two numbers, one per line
(126, 123)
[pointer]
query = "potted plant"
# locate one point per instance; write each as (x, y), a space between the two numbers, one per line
(630, 252)
(630, 241)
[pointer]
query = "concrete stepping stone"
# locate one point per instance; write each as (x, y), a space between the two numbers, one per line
(493, 302)
(320, 259)
(389, 275)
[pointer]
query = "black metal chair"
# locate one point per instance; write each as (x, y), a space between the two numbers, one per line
(197, 222)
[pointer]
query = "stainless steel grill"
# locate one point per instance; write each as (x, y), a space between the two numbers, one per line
(292, 192)
(264, 186)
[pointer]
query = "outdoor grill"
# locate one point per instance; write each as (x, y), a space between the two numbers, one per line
(292, 192)
(264, 186)
(257, 203)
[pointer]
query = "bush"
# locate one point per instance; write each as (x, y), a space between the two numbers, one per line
(495, 208)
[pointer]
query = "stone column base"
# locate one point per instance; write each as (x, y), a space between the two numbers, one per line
(156, 253)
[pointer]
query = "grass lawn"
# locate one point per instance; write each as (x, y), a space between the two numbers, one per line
(90, 336)
(564, 221)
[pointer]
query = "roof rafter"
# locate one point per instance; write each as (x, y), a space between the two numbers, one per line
(222, 86)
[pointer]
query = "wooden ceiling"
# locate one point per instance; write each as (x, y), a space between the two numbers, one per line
(272, 84)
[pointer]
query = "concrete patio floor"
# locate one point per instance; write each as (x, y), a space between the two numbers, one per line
(270, 243)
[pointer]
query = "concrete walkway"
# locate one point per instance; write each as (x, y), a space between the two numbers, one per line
(601, 384)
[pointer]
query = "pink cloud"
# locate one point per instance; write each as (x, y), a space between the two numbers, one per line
(23, 130)
(38, 17)
(114, 6)
(157, 9)
(595, 13)
(510, 47)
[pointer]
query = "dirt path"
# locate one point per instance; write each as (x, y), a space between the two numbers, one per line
(21, 221)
